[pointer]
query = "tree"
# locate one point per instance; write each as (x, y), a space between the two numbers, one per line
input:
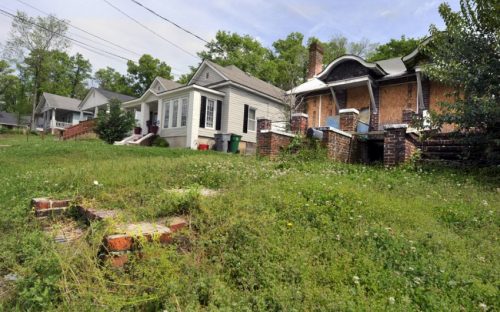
(80, 72)
(290, 61)
(9, 87)
(36, 37)
(115, 125)
(109, 79)
(339, 45)
(243, 51)
(394, 48)
(467, 56)
(143, 73)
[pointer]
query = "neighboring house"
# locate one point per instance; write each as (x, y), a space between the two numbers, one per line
(11, 120)
(55, 112)
(217, 99)
(384, 92)
(98, 98)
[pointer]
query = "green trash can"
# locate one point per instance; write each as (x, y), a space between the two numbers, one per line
(234, 144)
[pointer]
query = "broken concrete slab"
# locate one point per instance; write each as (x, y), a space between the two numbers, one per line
(97, 215)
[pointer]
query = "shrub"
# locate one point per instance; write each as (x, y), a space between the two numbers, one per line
(160, 142)
(115, 125)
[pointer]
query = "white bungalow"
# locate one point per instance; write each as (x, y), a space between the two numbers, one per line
(98, 98)
(216, 100)
(55, 112)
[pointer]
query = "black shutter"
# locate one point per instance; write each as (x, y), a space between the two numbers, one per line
(218, 121)
(203, 111)
(245, 120)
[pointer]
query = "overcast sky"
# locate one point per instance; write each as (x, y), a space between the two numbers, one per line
(266, 20)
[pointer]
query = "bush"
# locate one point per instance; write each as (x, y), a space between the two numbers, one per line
(115, 125)
(160, 142)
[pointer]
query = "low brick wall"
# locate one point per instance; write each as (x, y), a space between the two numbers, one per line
(337, 143)
(271, 143)
(82, 128)
(394, 144)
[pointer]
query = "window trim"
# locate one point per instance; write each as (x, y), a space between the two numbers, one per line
(170, 104)
(254, 120)
(214, 113)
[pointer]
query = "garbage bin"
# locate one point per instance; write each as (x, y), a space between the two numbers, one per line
(234, 143)
(222, 142)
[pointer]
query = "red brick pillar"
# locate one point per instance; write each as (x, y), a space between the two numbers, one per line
(349, 119)
(263, 124)
(299, 123)
(394, 144)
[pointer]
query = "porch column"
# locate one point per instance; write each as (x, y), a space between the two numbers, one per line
(53, 121)
(193, 121)
(145, 117)
(96, 111)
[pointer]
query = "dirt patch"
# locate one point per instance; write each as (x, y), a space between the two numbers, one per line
(64, 230)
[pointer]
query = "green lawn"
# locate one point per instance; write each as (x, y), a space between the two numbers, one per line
(280, 236)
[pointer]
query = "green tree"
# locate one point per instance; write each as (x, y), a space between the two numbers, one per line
(115, 125)
(9, 87)
(243, 51)
(79, 74)
(108, 78)
(467, 56)
(394, 48)
(143, 73)
(339, 45)
(290, 61)
(35, 36)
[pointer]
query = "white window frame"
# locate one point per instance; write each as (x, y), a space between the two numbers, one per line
(184, 111)
(252, 121)
(214, 114)
(175, 113)
(166, 122)
(169, 108)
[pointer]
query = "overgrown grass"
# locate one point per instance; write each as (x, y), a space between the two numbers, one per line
(290, 235)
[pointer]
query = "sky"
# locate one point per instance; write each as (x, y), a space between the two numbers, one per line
(265, 20)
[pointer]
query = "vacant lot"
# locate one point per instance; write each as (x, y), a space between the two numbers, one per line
(282, 236)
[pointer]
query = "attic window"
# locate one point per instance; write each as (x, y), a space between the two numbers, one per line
(207, 75)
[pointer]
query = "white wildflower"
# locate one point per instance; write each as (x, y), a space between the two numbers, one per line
(96, 182)
(483, 306)
(484, 202)
(355, 278)
(392, 300)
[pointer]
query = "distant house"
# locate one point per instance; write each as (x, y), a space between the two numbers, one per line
(217, 99)
(11, 120)
(55, 112)
(98, 98)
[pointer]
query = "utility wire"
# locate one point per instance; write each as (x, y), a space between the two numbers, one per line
(77, 42)
(169, 21)
(80, 29)
(150, 30)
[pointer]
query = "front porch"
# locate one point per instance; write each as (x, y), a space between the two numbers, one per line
(58, 119)
(146, 116)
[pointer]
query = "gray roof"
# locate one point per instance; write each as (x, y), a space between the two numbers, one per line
(60, 102)
(8, 119)
(114, 95)
(392, 66)
(169, 84)
(234, 74)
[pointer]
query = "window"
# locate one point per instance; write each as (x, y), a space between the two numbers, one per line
(167, 114)
(209, 118)
(251, 119)
(184, 112)
(207, 75)
(175, 113)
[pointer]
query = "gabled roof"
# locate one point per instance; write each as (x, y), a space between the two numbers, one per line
(234, 74)
(344, 58)
(114, 95)
(168, 84)
(59, 102)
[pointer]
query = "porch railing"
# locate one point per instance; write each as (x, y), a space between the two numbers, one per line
(63, 125)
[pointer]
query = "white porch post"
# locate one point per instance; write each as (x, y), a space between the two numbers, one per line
(53, 121)
(96, 111)
(193, 120)
(145, 117)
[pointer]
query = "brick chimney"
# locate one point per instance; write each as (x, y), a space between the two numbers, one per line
(315, 59)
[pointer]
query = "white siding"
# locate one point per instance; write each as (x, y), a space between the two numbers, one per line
(203, 80)
(264, 109)
(95, 99)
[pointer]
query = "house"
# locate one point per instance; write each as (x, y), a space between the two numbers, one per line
(366, 99)
(217, 99)
(98, 98)
(11, 120)
(56, 112)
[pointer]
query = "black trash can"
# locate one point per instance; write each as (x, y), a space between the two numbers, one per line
(222, 142)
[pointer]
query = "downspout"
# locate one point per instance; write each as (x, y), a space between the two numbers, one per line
(319, 113)
(420, 95)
